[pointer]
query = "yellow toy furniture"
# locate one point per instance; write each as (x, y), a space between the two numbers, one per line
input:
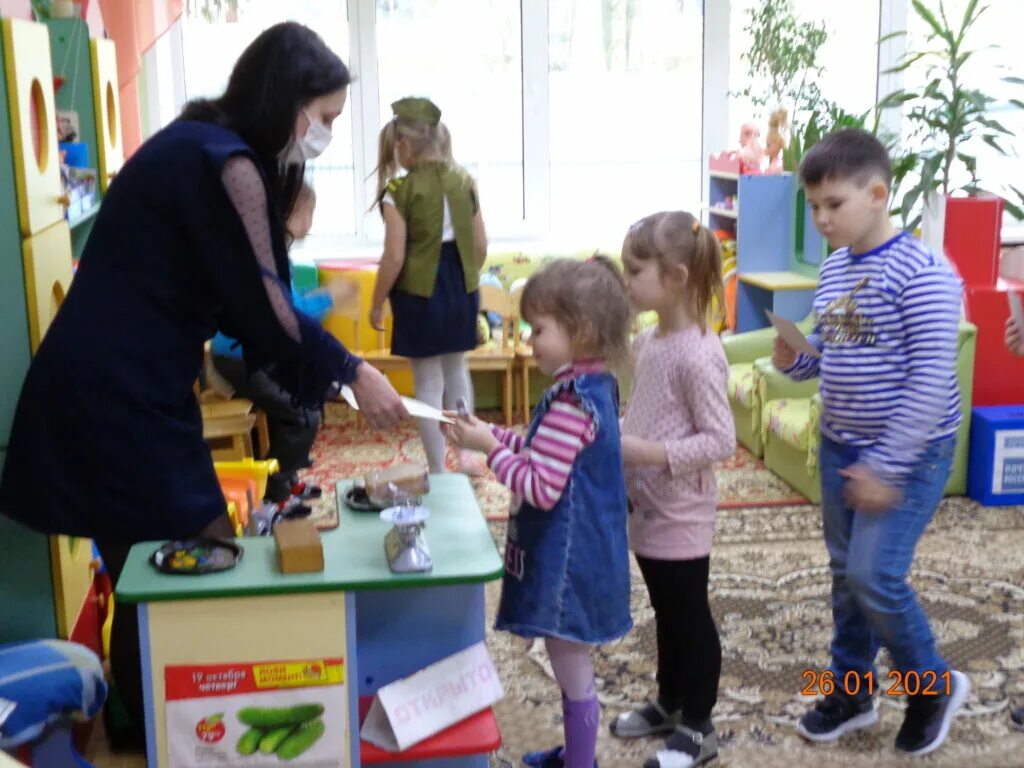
(790, 422)
(250, 469)
(742, 350)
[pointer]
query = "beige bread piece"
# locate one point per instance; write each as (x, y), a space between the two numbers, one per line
(408, 479)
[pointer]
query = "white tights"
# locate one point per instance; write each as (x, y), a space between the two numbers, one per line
(572, 667)
(440, 381)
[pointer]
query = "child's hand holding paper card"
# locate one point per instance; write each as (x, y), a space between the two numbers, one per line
(792, 335)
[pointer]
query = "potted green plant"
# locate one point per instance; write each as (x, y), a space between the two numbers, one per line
(949, 116)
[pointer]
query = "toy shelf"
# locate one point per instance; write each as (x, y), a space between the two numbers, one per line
(71, 60)
(84, 217)
(778, 251)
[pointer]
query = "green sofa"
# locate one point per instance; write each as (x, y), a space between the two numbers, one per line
(742, 351)
(790, 421)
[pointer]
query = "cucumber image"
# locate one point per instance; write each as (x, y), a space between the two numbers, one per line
(249, 741)
(301, 739)
(272, 739)
(269, 718)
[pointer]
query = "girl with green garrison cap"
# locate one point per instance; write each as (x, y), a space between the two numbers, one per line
(434, 247)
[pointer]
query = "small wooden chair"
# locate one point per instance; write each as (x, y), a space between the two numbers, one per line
(228, 423)
(524, 361)
(498, 355)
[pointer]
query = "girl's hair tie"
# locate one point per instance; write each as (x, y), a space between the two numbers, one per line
(695, 226)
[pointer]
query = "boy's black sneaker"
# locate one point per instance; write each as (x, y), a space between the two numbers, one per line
(1017, 718)
(926, 723)
(837, 714)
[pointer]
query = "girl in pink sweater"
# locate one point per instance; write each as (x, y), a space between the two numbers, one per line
(678, 424)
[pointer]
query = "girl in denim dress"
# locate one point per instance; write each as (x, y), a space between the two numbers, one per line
(566, 558)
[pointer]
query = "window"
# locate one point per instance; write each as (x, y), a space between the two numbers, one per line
(625, 113)
(994, 36)
(210, 49)
(424, 48)
(848, 57)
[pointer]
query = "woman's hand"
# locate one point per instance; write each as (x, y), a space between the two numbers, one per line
(1014, 340)
(783, 355)
(378, 401)
(469, 432)
(377, 317)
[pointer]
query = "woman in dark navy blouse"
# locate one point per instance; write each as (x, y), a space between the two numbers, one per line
(107, 440)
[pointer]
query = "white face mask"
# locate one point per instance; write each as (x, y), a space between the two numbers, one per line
(312, 145)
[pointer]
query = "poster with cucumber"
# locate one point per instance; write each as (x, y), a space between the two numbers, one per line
(275, 713)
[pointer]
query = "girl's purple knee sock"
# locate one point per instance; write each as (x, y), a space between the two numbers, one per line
(580, 722)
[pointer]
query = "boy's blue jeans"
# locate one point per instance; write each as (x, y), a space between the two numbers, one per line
(870, 555)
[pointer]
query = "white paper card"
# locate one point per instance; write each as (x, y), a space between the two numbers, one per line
(410, 710)
(416, 408)
(792, 335)
(1016, 309)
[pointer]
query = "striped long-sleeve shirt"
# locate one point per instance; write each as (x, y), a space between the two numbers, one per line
(887, 328)
(540, 473)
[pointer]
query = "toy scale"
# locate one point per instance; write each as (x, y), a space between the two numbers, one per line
(404, 544)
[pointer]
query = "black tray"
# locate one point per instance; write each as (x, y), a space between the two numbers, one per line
(356, 499)
(194, 557)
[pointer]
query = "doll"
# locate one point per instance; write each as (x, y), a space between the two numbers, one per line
(751, 152)
(776, 141)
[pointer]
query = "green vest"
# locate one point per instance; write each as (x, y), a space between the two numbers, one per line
(419, 196)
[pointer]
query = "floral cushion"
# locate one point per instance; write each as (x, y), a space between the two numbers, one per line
(741, 384)
(789, 419)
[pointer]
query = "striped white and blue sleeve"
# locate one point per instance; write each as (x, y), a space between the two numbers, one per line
(806, 366)
(928, 308)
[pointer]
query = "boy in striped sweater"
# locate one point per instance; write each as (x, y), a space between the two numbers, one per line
(888, 312)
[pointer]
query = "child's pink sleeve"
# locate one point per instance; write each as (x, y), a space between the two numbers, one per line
(539, 475)
(508, 438)
(701, 382)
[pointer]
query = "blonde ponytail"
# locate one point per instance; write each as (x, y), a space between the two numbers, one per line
(387, 165)
(706, 274)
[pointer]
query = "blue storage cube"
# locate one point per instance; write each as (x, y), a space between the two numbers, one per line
(996, 467)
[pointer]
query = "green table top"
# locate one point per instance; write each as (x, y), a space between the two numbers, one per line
(460, 545)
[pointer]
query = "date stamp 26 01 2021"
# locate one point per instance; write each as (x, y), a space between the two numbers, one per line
(909, 683)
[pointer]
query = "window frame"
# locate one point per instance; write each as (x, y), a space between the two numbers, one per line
(535, 227)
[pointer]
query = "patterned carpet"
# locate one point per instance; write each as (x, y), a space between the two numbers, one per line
(770, 595)
(346, 447)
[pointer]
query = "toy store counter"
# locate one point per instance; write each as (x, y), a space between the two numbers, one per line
(231, 661)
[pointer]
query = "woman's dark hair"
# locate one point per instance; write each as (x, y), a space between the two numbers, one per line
(281, 71)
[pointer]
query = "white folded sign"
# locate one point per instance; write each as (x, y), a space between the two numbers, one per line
(410, 710)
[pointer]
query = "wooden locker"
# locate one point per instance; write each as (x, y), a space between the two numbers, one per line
(33, 124)
(47, 262)
(26, 589)
(108, 110)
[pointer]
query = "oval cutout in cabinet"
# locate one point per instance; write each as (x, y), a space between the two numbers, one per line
(108, 109)
(33, 119)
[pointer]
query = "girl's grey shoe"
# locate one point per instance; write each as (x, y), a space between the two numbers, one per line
(686, 748)
(650, 720)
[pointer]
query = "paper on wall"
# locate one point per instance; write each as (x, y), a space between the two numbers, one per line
(792, 335)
